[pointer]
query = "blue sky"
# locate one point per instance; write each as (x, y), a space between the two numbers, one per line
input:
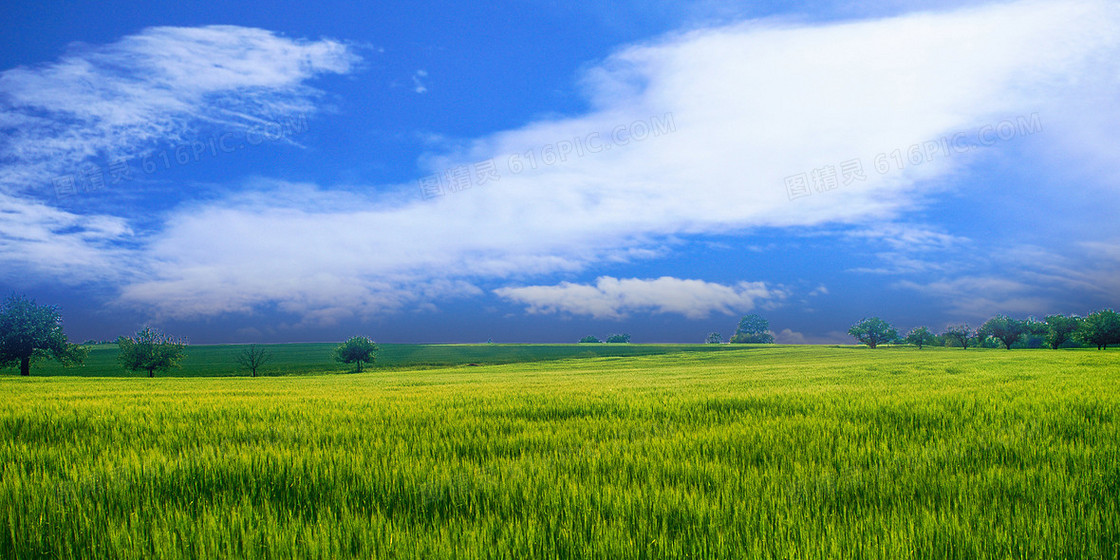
(537, 171)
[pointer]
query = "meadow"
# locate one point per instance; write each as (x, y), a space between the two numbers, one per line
(746, 452)
(318, 358)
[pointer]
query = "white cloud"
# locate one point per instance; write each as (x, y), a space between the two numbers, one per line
(153, 87)
(96, 103)
(907, 237)
(911, 249)
(614, 298)
(788, 336)
(417, 85)
(751, 104)
(71, 248)
(979, 297)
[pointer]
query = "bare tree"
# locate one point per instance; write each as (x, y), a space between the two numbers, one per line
(253, 357)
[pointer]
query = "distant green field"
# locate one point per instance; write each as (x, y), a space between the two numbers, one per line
(763, 452)
(221, 360)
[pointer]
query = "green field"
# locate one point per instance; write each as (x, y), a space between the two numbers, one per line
(289, 359)
(759, 452)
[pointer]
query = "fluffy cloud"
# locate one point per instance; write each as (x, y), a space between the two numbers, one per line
(789, 336)
(750, 105)
(120, 100)
(154, 87)
(614, 298)
(69, 247)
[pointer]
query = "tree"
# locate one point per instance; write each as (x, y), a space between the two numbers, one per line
(623, 338)
(959, 334)
(921, 336)
(873, 331)
(1100, 329)
(753, 329)
(1035, 327)
(980, 340)
(253, 357)
(714, 338)
(1060, 329)
(29, 332)
(1004, 328)
(357, 350)
(589, 339)
(1034, 335)
(150, 351)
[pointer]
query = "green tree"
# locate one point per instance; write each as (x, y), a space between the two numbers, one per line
(29, 332)
(1035, 333)
(356, 350)
(1060, 329)
(253, 357)
(1003, 328)
(714, 338)
(985, 341)
(960, 334)
(753, 329)
(589, 339)
(920, 337)
(1100, 329)
(623, 338)
(873, 331)
(150, 351)
(1035, 327)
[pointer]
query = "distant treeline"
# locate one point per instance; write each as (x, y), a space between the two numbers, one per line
(1097, 329)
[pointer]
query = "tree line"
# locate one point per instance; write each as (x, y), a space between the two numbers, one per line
(1099, 328)
(30, 332)
(619, 338)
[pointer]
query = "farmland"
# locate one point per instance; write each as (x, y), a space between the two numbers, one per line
(317, 358)
(548, 451)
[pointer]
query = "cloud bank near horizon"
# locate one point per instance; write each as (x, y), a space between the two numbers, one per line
(616, 298)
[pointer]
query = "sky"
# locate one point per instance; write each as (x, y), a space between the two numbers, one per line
(537, 171)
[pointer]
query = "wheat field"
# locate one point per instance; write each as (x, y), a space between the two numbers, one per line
(757, 452)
